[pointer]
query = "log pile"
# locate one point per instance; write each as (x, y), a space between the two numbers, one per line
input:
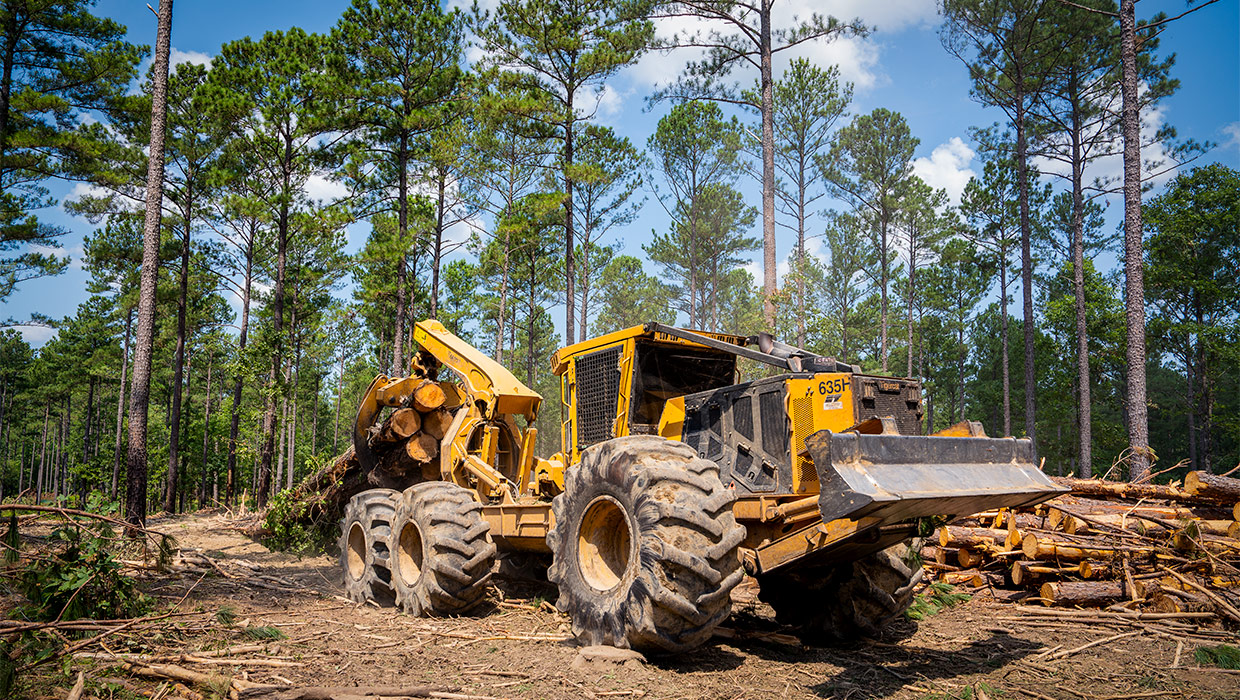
(1163, 548)
(406, 449)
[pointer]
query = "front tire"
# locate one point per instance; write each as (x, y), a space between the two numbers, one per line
(366, 544)
(644, 546)
(443, 553)
(843, 603)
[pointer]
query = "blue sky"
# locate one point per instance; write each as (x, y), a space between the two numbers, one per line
(901, 66)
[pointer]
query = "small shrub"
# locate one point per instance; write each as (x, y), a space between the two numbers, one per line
(290, 530)
(79, 578)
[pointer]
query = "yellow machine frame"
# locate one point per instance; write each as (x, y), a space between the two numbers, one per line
(486, 451)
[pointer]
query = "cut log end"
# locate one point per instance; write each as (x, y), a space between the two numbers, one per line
(428, 396)
(422, 447)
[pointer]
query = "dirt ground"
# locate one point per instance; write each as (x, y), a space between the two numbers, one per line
(979, 649)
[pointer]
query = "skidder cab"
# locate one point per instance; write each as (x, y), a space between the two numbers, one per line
(674, 480)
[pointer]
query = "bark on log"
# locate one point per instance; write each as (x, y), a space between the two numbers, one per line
(1087, 506)
(1049, 549)
(974, 537)
(1093, 569)
(1025, 573)
(1207, 485)
(1113, 489)
(1083, 593)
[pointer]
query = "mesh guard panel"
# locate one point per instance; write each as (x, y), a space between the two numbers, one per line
(598, 393)
(804, 476)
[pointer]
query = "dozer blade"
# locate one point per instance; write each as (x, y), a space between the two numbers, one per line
(899, 477)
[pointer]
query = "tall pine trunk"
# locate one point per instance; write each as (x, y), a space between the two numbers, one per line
(767, 89)
(1026, 262)
(263, 487)
(139, 394)
(402, 230)
(206, 430)
(1134, 282)
(1003, 306)
(1084, 406)
(230, 487)
(178, 362)
(570, 235)
(441, 178)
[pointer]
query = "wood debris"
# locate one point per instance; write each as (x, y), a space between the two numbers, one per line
(1150, 548)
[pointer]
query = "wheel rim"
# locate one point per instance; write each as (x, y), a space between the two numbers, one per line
(604, 544)
(356, 555)
(409, 553)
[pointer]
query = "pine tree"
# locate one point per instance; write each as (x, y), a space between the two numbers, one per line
(1007, 46)
(136, 474)
(744, 37)
(276, 94)
(808, 102)
(398, 63)
(695, 149)
(871, 168)
(58, 63)
(561, 61)
(609, 177)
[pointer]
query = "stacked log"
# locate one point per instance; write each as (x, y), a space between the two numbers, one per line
(406, 450)
(1161, 547)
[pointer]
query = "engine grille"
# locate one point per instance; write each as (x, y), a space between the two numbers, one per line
(598, 391)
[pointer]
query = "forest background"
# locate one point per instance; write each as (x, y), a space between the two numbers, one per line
(409, 160)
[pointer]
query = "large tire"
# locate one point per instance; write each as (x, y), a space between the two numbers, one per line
(443, 553)
(644, 546)
(366, 545)
(843, 603)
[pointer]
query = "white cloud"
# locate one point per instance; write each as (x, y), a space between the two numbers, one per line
(947, 168)
(1232, 133)
(611, 101)
(885, 16)
(36, 335)
(177, 57)
(856, 57)
(322, 189)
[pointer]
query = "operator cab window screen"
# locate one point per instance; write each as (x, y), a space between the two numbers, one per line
(666, 371)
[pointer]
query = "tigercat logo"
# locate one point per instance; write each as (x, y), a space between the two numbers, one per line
(889, 387)
(833, 402)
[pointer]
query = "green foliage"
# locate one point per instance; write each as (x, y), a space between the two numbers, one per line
(226, 616)
(1222, 656)
(63, 63)
(260, 634)
(289, 530)
(937, 598)
(79, 578)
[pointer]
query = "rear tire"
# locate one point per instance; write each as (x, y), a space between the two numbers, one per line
(442, 550)
(843, 603)
(644, 546)
(366, 544)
